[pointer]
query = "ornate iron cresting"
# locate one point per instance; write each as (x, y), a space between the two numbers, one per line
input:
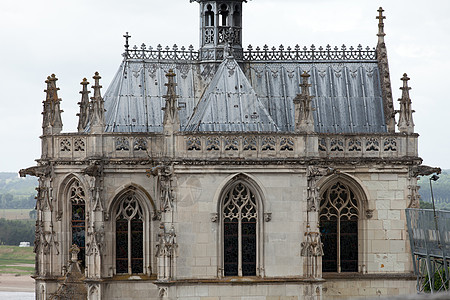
(265, 53)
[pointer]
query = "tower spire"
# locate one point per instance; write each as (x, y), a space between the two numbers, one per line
(83, 116)
(304, 121)
(383, 65)
(52, 122)
(405, 123)
(97, 110)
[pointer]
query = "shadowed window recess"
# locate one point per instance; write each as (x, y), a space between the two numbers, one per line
(78, 221)
(240, 217)
(129, 236)
(339, 229)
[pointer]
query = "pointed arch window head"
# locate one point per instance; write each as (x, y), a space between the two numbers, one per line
(129, 236)
(339, 214)
(77, 198)
(240, 230)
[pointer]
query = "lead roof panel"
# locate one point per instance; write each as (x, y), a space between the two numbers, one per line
(347, 95)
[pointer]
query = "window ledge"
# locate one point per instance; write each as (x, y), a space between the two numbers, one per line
(240, 280)
(361, 276)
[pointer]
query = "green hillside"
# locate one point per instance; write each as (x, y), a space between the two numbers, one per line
(16, 192)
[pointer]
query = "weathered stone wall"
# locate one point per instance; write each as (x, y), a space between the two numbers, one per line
(351, 288)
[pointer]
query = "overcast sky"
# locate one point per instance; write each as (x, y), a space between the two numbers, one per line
(74, 39)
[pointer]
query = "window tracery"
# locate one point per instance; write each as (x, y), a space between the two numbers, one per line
(78, 221)
(339, 214)
(129, 236)
(240, 218)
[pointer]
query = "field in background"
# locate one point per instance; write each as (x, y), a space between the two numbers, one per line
(15, 214)
(16, 260)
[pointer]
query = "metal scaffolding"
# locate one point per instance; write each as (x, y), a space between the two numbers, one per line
(429, 234)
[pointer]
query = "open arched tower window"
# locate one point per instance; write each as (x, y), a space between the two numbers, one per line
(129, 236)
(236, 17)
(240, 231)
(223, 15)
(209, 16)
(339, 215)
(78, 221)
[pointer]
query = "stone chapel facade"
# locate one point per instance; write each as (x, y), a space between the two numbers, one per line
(226, 173)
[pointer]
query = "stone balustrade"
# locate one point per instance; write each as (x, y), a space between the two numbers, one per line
(233, 145)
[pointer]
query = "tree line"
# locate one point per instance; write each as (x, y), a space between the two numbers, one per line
(15, 231)
(441, 190)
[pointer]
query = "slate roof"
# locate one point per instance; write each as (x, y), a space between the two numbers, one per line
(347, 95)
(230, 104)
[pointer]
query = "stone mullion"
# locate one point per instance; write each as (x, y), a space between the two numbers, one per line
(240, 242)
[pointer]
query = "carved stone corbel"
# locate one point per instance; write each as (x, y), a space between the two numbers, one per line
(214, 217)
(369, 213)
(267, 217)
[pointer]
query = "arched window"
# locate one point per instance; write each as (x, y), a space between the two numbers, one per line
(223, 15)
(240, 231)
(129, 236)
(78, 220)
(339, 214)
(209, 16)
(236, 17)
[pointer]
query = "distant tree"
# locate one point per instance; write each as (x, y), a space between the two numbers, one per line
(426, 205)
(32, 214)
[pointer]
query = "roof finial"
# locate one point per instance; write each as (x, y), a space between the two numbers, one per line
(405, 122)
(171, 118)
(97, 111)
(381, 18)
(83, 116)
(127, 45)
(303, 107)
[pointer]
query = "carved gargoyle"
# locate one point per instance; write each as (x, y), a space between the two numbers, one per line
(37, 171)
(92, 170)
(423, 170)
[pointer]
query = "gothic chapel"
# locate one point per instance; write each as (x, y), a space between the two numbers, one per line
(229, 173)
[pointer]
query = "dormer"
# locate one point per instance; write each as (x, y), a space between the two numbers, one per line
(220, 29)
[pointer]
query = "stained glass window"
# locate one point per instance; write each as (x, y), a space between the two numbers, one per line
(78, 222)
(339, 229)
(239, 232)
(129, 236)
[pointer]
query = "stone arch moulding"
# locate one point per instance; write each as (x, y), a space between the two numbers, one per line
(252, 180)
(353, 182)
(63, 191)
(64, 210)
(361, 194)
(148, 210)
(142, 193)
(256, 188)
